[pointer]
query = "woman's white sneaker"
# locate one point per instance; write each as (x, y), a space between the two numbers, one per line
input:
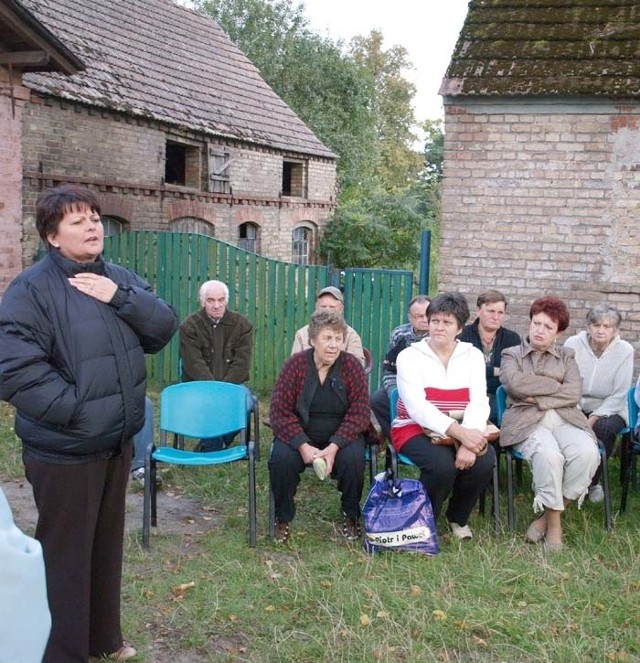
(461, 532)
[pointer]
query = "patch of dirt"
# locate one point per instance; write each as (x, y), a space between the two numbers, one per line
(177, 514)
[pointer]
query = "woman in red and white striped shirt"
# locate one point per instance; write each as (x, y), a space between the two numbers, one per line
(443, 394)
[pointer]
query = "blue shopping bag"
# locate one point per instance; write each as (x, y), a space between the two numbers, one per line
(398, 516)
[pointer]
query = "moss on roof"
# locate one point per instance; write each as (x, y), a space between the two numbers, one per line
(547, 47)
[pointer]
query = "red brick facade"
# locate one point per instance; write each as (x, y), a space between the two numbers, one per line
(539, 199)
(12, 96)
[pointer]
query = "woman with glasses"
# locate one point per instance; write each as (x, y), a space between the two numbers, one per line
(442, 413)
(606, 368)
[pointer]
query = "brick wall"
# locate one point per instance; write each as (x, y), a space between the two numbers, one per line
(12, 98)
(123, 159)
(540, 200)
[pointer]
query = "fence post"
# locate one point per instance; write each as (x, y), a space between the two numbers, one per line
(425, 259)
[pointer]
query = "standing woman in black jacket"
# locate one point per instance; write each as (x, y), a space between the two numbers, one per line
(73, 333)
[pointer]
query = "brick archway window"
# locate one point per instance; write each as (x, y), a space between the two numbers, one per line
(249, 237)
(190, 224)
(302, 243)
(113, 225)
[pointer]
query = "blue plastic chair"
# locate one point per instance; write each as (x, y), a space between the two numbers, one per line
(630, 449)
(514, 456)
(202, 409)
(398, 458)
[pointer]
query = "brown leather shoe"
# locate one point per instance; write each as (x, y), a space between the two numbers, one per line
(351, 529)
(281, 534)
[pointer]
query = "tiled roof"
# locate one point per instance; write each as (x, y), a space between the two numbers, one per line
(547, 47)
(155, 59)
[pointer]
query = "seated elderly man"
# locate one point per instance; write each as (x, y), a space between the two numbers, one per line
(401, 337)
(216, 344)
(488, 335)
(331, 299)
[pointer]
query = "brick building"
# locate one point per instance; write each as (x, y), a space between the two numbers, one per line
(25, 45)
(542, 156)
(174, 128)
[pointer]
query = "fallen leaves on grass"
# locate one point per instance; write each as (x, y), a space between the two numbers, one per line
(179, 590)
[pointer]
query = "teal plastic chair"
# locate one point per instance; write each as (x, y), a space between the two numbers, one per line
(513, 456)
(202, 409)
(398, 458)
(629, 451)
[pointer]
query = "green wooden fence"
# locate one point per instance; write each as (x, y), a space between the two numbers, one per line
(277, 297)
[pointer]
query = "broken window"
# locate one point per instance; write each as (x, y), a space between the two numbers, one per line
(293, 178)
(182, 164)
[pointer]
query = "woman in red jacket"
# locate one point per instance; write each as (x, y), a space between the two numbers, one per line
(319, 413)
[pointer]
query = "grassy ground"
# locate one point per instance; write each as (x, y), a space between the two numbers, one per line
(322, 599)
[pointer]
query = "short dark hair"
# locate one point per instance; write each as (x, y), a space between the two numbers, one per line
(329, 319)
(454, 303)
(554, 307)
(54, 203)
(491, 296)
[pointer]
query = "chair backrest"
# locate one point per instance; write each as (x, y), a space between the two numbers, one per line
(203, 408)
(633, 408)
(501, 403)
(393, 403)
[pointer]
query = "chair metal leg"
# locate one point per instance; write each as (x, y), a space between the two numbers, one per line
(256, 436)
(496, 495)
(372, 457)
(154, 492)
(272, 507)
(252, 496)
(608, 518)
(147, 501)
(272, 515)
(511, 516)
(393, 457)
(626, 450)
(482, 501)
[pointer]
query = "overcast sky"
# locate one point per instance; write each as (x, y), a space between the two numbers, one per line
(428, 30)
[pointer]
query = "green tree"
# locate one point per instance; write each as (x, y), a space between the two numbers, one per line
(428, 184)
(380, 231)
(391, 100)
(324, 86)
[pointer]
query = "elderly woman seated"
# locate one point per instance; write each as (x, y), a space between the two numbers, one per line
(606, 367)
(443, 398)
(319, 413)
(543, 422)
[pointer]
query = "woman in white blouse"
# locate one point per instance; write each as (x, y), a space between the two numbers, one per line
(606, 368)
